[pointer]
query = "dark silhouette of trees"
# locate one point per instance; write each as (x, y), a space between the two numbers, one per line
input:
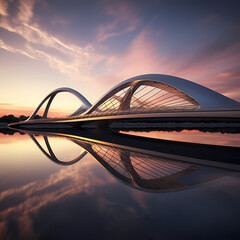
(11, 118)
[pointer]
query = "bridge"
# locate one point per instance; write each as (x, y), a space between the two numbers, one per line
(144, 99)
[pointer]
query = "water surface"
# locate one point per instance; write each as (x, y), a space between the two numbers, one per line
(195, 136)
(105, 197)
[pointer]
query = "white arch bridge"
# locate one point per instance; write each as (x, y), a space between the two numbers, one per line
(145, 98)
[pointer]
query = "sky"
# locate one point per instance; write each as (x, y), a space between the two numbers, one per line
(93, 45)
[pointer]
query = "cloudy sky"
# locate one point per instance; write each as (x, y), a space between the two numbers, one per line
(94, 44)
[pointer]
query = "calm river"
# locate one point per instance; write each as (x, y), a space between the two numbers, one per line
(66, 187)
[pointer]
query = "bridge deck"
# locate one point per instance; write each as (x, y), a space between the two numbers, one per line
(193, 116)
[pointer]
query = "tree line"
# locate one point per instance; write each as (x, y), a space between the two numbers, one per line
(11, 118)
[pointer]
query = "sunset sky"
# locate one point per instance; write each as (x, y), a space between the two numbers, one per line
(94, 44)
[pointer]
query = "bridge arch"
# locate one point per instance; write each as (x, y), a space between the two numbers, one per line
(85, 104)
(165, 92)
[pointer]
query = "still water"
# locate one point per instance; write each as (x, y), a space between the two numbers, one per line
(61, 186)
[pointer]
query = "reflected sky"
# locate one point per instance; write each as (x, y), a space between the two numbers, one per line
(38, 196)
(196, 136)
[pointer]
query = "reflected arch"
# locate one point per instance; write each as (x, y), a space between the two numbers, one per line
(50, 154)
(137, 170)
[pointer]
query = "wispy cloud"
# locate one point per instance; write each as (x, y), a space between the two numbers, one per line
(143, 52)
(124, 20)
(5, 46)
(68, 59)
(142, 56)
(4, 7)
(109, 30)
(5, 104)
(25, 10)
(216, 66)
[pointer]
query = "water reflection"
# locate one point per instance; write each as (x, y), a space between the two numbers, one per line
(43, 200)
(51, 154)
(193, 136)
(147, 167)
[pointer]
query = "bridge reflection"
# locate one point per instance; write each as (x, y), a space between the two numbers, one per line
(144, 163)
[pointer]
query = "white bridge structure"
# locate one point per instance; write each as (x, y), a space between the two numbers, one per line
(150, 96)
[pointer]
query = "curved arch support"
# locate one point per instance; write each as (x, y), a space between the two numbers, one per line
(85, 104)
(184, 95)
(207, 98)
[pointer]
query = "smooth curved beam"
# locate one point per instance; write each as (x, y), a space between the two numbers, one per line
(51, 154)
(207, 98)
(85, 104)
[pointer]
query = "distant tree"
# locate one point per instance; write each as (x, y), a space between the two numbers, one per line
(37, 117)
(3, 119)
(8, 119)
(22, 118)
(11, 118)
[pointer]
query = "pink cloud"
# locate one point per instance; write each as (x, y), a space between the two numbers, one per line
(209, 68)
(142, 57)
(25, 10)
(143, 54)
(4, 7)
(104, 32)
(77, 60)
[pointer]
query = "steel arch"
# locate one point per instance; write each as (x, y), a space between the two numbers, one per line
(85, 103)
(205, 98)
